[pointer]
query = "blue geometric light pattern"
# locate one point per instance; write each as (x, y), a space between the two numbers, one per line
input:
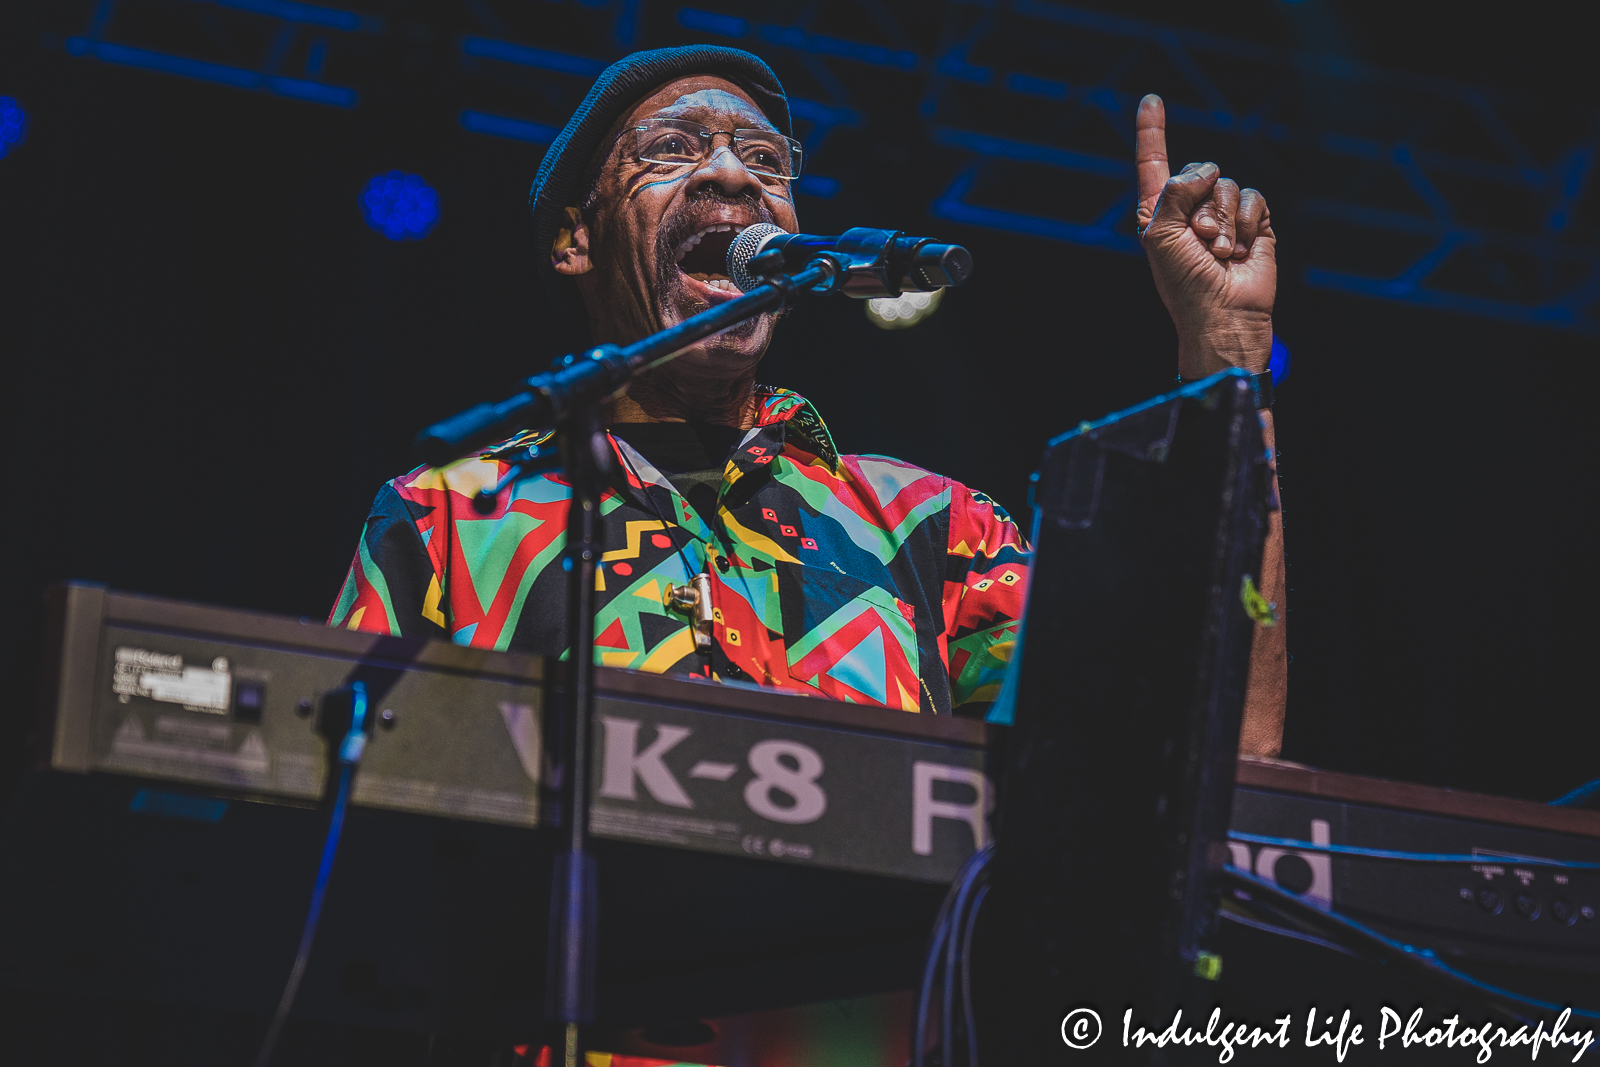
(1475, 264)
(1541, 271)
(400, 206)
(13, 124)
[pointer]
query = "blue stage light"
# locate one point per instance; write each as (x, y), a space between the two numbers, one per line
(13, 124)
(400, 206)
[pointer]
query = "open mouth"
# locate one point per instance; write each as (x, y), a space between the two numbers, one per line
(703, 256)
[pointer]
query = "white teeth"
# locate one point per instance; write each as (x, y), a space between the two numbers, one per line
(695, 238)
(717, 282)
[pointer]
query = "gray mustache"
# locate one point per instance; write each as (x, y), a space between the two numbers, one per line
(685, 222)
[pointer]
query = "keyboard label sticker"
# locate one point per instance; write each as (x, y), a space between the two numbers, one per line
(159, 676)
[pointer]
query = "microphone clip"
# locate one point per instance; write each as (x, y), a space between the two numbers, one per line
(864, 258)
(866, 262)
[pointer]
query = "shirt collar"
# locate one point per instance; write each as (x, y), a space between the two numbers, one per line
(798, 417)
(775, 407)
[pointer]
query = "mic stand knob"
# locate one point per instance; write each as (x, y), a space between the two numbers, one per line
(694, 599)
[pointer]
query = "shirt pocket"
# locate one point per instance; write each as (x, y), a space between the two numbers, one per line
(848, 638)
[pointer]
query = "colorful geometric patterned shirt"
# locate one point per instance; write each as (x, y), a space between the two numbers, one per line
(860, 578)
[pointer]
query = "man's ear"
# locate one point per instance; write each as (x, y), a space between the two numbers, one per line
(569, 253)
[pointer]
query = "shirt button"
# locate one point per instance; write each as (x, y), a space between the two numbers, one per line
(723, 564)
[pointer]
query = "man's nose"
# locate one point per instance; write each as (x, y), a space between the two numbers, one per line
(727, 172)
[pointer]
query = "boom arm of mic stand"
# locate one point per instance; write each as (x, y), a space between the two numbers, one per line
(581, 380)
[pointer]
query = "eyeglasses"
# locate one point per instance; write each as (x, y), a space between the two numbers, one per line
(679, 142)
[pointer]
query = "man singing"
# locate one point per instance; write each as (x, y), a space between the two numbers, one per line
(861, 578)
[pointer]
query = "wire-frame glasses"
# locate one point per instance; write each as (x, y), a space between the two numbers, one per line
(680, 142)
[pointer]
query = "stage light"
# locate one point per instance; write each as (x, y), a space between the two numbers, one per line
(907, 309)
(13, 124)
(400, 206)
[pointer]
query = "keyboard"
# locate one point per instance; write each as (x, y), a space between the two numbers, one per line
(756, 848)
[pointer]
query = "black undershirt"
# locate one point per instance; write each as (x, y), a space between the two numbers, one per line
(692, 456)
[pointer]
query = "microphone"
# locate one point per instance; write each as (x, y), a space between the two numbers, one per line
(872, 262)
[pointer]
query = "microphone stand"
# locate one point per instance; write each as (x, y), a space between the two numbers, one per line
(571, 397)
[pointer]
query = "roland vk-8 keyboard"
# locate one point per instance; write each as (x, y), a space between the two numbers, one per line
(756, 848)
(223, 699)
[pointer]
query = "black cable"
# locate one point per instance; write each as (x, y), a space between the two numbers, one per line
(1284, 931)
(929, 969)
(1367, 942)
(1409, 857)
(966, 976)
(950, 930)
(960, 927)
(349, 757)
(952, 951)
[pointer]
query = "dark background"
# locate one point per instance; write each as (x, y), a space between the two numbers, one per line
(211, 363)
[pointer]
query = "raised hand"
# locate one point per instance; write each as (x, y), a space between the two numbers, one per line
(1212, 251)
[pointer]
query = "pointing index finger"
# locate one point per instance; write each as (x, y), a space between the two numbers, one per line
(1150, 150)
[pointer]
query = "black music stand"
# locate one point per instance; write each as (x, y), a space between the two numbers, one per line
(1119, 767)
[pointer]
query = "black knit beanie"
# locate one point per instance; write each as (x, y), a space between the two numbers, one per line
(622, 85)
